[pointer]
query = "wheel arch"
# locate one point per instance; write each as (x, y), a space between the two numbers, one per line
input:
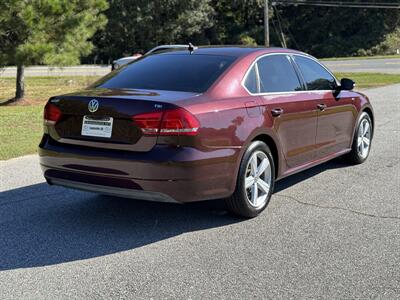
(270, 142)
(368, 110)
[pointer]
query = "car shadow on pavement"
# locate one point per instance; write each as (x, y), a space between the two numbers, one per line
(42, 225)
(292, 180)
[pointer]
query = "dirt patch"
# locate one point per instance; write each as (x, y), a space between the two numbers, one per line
(22, 102)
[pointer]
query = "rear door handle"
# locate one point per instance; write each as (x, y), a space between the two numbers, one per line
(321, 106)
(276, 112)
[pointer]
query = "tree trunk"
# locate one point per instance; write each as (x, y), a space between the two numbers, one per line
(20, 91)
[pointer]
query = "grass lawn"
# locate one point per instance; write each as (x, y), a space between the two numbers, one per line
(21, 125)
(370, 80)
(39, 89)
(20, 130)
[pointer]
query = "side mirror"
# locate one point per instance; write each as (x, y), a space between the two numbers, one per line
(347, 84)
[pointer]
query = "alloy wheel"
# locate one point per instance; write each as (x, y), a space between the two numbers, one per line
(364, 138)
(258, 179)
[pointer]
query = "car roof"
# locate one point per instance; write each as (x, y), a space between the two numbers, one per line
(235, 51)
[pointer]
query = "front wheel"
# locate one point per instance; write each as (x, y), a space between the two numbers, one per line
(362, 140)
(255, 181)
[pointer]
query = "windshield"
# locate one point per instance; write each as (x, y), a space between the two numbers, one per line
(171, 72)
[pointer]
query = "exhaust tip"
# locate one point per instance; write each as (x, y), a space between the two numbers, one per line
(48, 181)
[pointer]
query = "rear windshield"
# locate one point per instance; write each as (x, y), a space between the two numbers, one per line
(171, 72)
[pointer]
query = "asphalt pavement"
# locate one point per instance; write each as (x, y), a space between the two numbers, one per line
(390, 66)
(82, 70)
(330, 232)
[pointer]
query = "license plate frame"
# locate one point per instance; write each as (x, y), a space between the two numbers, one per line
(97, 126)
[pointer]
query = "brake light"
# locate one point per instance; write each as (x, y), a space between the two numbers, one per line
(179, 122)
(149, 122)
(176, 121)
(51, 113)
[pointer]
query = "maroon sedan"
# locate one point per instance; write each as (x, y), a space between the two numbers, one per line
(206, 123)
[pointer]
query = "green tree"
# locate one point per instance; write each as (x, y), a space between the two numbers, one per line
(139, 25)
(53, 32)
(238, 22)
(331, 31)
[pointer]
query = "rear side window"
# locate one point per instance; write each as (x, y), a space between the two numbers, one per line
(277, 74)
(171, 72)
(251, 81)
(316, 76)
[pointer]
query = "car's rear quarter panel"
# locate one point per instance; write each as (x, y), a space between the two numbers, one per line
(229, 124)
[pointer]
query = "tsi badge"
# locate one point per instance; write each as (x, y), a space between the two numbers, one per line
(93, 105)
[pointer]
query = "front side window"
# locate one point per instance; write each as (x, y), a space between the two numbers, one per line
(170, 72)
(316, 76)
(277, 75)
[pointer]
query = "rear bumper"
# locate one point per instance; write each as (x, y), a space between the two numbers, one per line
(112, 190)
(173, 174)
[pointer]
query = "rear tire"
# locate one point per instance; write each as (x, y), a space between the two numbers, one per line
(362, 140)
(255, 182)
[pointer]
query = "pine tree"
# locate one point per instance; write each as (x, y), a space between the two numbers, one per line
(53, 32)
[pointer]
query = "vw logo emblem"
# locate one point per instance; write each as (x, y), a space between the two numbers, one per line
(93, 105)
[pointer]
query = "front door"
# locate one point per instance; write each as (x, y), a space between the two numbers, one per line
(335, 124)
(336, 115)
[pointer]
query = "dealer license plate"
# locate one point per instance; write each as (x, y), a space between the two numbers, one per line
(95, 126)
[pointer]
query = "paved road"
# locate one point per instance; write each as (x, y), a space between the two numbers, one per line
(83, 70)
(391, 66)
(331, 232)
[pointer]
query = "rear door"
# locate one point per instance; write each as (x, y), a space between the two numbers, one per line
(289, 106)
(336, 115)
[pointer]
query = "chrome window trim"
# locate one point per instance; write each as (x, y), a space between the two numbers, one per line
(288, 92)
(257, 77)
(293, 92)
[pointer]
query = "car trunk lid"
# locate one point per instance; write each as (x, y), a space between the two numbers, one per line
(114, 112)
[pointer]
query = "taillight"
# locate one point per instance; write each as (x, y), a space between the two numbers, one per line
(149, 122)
(51, 112)
(176, 121)
(179, 122)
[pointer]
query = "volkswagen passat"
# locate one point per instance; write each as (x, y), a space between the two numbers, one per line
(206, 123)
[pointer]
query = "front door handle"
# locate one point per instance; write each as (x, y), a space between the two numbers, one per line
(321, 106)
(276, 112)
